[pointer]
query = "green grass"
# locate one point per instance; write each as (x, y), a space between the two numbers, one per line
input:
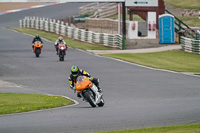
(185, 4)
(170, 60)
(17, 102)
(70, 42)
(190, 128)
(191, 21)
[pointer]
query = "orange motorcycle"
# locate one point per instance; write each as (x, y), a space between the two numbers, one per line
(37, 48)
(89, 92)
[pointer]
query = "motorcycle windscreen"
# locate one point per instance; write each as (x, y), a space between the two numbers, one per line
(82, 83)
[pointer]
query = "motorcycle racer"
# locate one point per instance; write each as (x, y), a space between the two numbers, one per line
(59, 41)
(75, 72)
(36, 38)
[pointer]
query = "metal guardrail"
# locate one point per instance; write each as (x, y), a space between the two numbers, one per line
(182, 27)
(106, 12)
(62, 1)
(80, 18)
(51, 25)
(101, 9)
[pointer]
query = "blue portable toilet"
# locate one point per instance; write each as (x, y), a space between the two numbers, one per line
(166, 28)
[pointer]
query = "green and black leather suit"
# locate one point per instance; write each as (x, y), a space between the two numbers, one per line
(72, 78)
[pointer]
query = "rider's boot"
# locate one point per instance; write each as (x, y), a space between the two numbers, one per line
(78, 95)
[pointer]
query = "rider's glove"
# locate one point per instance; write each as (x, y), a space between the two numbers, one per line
(91, 78)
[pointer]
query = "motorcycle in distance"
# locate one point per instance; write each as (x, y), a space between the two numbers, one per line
(37, 48)
(89, 92)
(61, 51)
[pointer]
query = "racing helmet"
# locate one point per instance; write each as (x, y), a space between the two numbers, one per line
(60, 39)
(37, 36)
(75, 70)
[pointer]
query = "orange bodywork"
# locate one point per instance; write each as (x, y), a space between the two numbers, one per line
(37, 44)
(84, 84)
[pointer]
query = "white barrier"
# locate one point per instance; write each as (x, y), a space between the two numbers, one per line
(49, 25)
(190, 45)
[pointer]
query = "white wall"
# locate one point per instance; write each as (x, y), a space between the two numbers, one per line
(151, 18)
(133, 34)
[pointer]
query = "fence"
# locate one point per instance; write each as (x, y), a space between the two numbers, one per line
(58, 27)
(190, 45)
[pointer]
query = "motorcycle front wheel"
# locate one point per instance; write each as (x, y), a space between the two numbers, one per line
(101, 103)
(37, 52)
(89, 97)
(61, 56)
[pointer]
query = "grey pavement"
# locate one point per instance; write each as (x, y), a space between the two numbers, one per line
(142, 50)
(135, 96)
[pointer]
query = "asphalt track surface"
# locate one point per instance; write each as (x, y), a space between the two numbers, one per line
(135, 96)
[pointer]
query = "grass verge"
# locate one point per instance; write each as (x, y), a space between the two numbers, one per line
(190, 128)
(17, 102)
(70, 42)
(185, 4)
(170, 60)
(191, 21)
